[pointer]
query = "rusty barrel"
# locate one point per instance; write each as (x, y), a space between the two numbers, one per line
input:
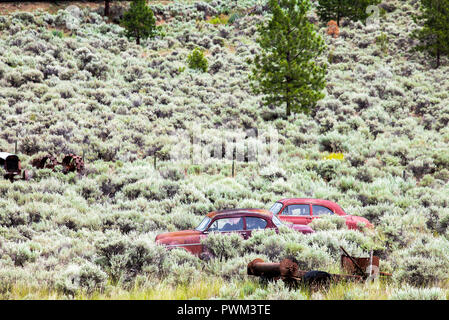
(285, 269)
(259, 268)
(364, 263)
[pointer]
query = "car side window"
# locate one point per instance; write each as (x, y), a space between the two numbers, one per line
(227, 224)
(320, 210)
(297, 210)
(253, 223)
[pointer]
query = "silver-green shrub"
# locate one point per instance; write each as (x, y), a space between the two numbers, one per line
(424, 262)
(223, 246)
(411, 293)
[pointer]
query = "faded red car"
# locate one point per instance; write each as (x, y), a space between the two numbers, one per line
(241, 221)
(302, 211)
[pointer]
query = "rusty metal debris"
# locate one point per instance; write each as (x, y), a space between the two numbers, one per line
(289, 272)
(46, 162)
(11, 164)
(359, 269)
(355, 265)
(362, 266)
(70, 163)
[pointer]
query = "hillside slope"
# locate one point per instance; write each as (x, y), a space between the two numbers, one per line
(90, 90)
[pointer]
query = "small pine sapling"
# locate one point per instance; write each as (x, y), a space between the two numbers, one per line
(197, 61)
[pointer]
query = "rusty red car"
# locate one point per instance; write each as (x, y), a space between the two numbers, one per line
(241, 221)
(302, 211)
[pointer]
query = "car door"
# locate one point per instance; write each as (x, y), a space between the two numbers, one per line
(228, 225)
(296, 214)
(254, 223)
(320, 210)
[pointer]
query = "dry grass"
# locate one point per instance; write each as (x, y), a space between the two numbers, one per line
(209, 288)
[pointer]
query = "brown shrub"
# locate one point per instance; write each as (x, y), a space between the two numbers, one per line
(333, 29)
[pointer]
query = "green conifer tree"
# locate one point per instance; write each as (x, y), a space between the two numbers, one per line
(139, 21)
(286, 71)
(434, 35)
(336, 9)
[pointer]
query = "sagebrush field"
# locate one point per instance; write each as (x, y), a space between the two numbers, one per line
(377, 144)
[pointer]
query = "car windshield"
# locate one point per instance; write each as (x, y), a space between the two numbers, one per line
(276, 208)
(203, 224)
(276, 221)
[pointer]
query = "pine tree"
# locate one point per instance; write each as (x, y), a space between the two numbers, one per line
(434, 35)
(139, 21)
(336, 9)
(286, 70)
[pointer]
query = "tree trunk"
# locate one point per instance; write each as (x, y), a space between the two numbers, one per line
(338, 16)
(287, 94)
(287, 91)
(138, 40)
(438, 57)
(106, 7)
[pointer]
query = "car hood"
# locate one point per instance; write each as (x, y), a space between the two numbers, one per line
(176, 235)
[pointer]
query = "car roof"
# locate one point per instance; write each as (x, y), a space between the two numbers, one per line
(238, 212)
(327, 203)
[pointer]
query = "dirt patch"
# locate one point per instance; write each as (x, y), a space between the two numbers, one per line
(10, 7)
(159, 21)
(164, 53)
(52, 7)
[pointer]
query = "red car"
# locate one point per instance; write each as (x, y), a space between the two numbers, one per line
(242, 221)
(303, 210)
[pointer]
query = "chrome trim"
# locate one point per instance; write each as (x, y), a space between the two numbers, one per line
(179, 245)
(228, 231)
